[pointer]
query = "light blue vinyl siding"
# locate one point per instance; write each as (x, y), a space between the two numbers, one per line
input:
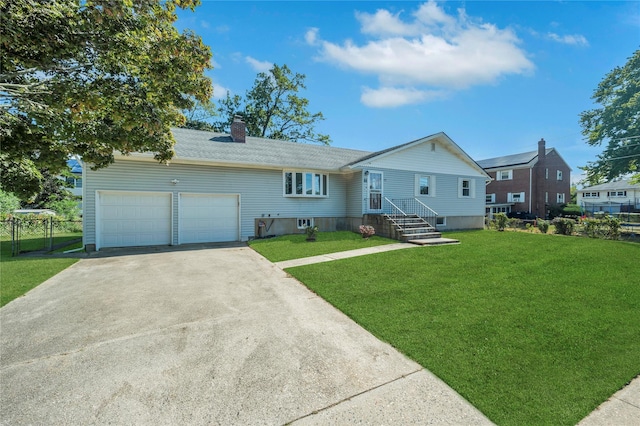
(401, 184)
(261, 191)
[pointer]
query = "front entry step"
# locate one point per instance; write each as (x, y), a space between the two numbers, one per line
(433, 241)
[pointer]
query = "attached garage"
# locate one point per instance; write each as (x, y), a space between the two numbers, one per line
(128, 219)
(209, 218)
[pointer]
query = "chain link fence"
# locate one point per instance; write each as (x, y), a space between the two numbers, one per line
(29, 234)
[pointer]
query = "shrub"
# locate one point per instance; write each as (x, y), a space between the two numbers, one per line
(501, 220)
(571, 210)
(367, 231)
(563, 226)
(543, 226)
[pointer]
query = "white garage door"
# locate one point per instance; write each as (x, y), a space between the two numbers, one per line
(127, 219)
(208, 218)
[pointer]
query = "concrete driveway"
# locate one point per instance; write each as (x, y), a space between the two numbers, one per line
(208, 336)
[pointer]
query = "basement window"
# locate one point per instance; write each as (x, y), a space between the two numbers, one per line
(303, 223)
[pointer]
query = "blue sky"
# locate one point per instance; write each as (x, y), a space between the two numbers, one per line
(496, 76)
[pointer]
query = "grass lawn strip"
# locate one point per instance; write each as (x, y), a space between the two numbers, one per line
(296, 246)
(20, 274)
(530, 328)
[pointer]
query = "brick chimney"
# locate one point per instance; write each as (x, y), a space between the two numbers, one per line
(542, 151)
(238, 130)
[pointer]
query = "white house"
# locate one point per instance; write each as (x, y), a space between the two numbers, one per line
(221, 187)
(611, 197)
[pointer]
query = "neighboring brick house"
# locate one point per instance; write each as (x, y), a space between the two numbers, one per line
(527, 183)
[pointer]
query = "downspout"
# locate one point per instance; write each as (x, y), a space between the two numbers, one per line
(530, 187)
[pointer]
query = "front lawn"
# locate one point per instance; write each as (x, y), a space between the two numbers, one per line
(530, 328)
(20, 274)
(296, 246)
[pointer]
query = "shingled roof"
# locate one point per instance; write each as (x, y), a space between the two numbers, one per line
(219, 148)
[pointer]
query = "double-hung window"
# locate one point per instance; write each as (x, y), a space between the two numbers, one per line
(560, 198)
(504, 175)
(466, 188)
(425, 186)
(559, 175)
(305, 184)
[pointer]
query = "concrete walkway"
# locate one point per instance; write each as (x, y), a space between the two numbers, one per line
(343, 255)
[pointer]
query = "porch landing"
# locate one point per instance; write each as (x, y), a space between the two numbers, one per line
(433, 241)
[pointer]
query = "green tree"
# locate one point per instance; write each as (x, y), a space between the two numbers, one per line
(8, 202)
(273, 109)
(200, 116)
(88, 77)
(617, 123)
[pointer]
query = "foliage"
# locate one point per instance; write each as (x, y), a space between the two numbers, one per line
(66, 208)
(617, 122)
(555, 210)
(367, 231)
(528, 340)
(8, 202)
(311, 231)
(52, 189)
(293, 246)
(571, 210)
(608, 228)
(501, 221)
(199, 116)
(563, 226)
(272, 109)
(543, 226)
(91, 77)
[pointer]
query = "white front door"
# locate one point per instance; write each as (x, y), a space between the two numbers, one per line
(374, 191)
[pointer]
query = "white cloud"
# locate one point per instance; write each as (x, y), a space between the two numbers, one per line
(311, 36)
(260, 66)
(386, 97)
(220, 92)
(573, 39)
(431, 50)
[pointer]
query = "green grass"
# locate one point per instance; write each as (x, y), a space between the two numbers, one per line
(20, 274)
(296, 246)
(530, 328)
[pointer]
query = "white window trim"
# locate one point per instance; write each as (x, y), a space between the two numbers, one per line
(490, 198)
(509, 175)
(520, 196)
(558, 174)
(432, 186)
(472, 188)
(441, 221)
(304, 222)
(560, 197)
(324, 184)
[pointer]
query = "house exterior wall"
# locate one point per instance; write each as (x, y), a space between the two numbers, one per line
(606, 202)
(261, 192)
(552, 185)
(539, 182)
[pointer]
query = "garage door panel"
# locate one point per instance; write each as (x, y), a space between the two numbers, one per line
(134, 219)
(208, 218)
